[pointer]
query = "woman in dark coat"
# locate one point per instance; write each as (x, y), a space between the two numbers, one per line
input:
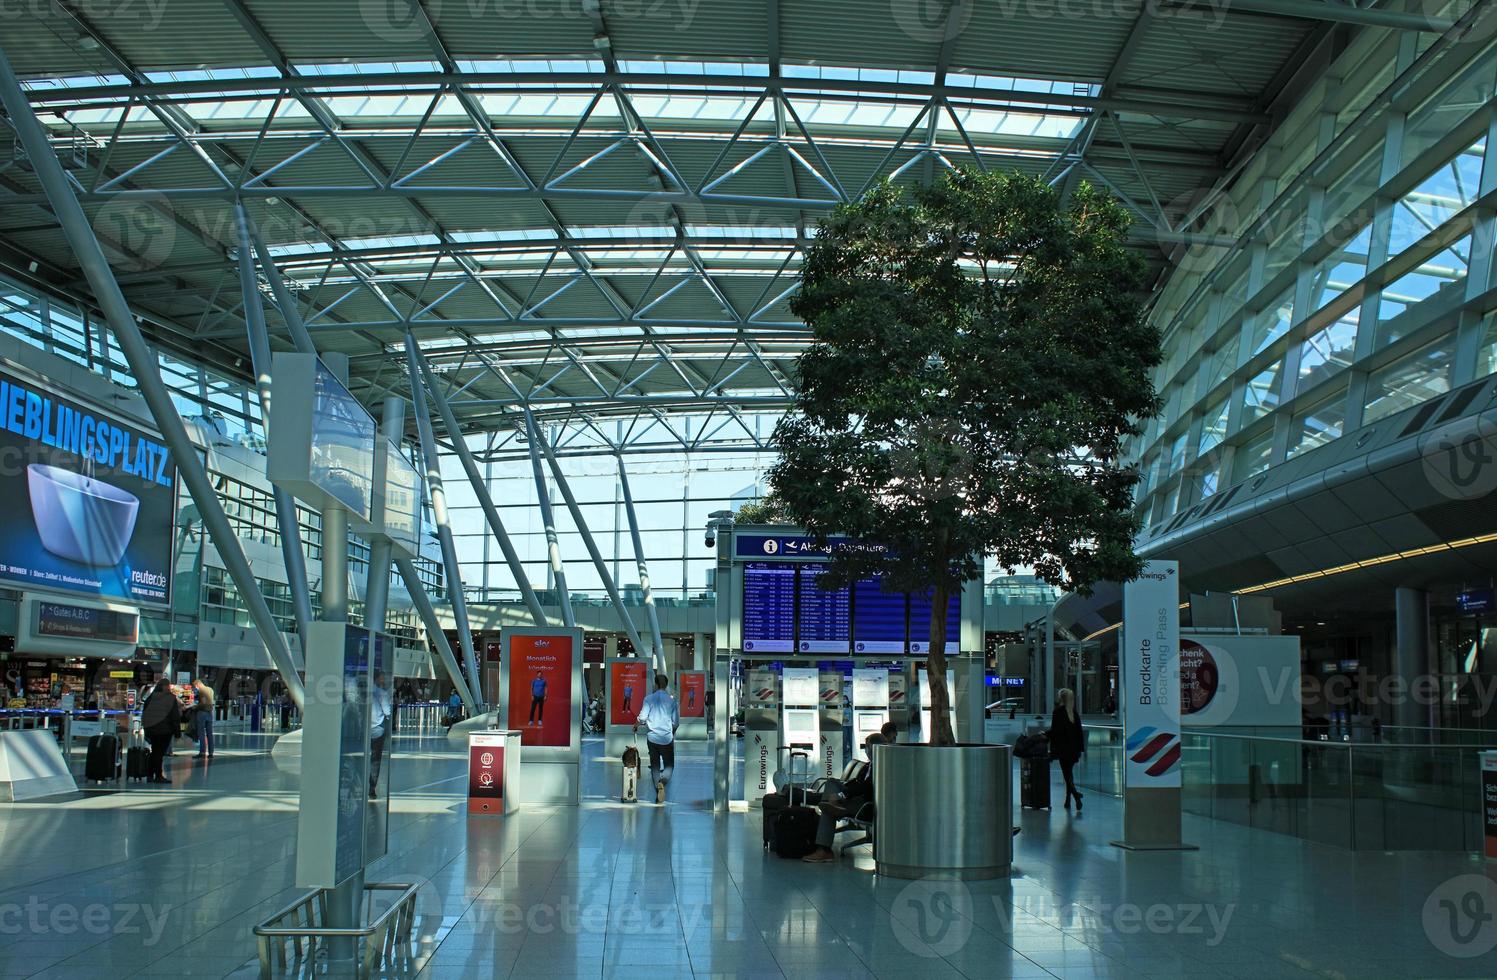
(160, 719)
(1067, 741)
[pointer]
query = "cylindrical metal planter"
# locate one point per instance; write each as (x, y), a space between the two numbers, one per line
(943, 811)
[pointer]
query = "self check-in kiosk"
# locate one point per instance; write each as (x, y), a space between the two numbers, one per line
(800, 722)
(761, 733)
(870, 706)
(627, 684)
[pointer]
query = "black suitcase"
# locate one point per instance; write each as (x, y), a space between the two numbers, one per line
(794, 831)
(102, 763)
(1034, 783)
(137, 763)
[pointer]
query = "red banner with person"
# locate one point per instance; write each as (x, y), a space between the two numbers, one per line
(693, 693)
(628, 684)
(540, 689)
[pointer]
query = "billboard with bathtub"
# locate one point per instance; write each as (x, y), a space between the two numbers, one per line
(91, 499)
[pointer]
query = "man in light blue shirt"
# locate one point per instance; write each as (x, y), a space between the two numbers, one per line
(381, 709)
(660, 716)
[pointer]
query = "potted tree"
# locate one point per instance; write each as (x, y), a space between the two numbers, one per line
(980, 353)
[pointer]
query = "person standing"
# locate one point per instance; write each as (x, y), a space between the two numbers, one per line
(454, 710)
(203, 719)
(380, 712)
(661, 716)
(537, 700)
(1067, 741)
(160, 719)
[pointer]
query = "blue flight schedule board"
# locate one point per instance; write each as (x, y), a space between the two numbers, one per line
(878, 624)
(768, 607)
(920, 623)
(823, 616)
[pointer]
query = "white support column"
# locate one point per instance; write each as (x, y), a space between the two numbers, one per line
(644, 572)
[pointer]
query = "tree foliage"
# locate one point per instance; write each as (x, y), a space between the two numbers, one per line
(769, 509)
(980, 354)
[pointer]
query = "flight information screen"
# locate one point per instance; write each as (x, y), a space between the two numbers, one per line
(824, 616)
(920, 623)
(768, 607)
(878, 618)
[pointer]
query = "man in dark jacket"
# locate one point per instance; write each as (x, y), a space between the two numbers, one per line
(855, 794)
(160, 719)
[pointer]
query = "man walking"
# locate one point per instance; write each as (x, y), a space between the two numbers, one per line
(660, 716)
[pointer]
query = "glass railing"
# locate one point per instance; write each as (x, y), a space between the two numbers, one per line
(1406, 792)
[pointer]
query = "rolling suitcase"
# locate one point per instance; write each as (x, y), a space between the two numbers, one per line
(1034, 783)
(794, 831)
(794, 796)
(102, 763)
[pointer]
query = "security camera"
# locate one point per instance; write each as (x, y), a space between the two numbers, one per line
(711, 538)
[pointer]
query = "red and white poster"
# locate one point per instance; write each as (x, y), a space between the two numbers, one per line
(485, 772)
(627, 680)
(692, 698)
(541, 704)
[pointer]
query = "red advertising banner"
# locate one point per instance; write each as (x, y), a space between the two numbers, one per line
(540, 689)
(693, 694)
(627, 686)
(485, 773)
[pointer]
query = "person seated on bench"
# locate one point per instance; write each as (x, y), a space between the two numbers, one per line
(845, 802)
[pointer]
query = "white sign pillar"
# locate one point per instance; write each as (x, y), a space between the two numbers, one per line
(1149, 673)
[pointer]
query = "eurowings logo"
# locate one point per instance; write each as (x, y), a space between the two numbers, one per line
(763, 694)
(1159, 750)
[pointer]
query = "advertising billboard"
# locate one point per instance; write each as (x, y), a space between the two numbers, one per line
(628, 683)
(541, 703)
(1150, 676)
(343, 444)
(92, 498)
(693, 693)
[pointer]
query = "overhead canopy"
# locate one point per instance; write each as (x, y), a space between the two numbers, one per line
(599, 210)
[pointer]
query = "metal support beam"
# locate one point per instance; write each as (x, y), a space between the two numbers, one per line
(417, 364)
(285, 504)
(644, 572)
(1343, 13)
(553, 543)
(143, 364)
(438, 496)
(428, 614)
(377, 589)
(282, 296)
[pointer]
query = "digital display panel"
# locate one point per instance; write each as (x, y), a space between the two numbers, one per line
(343, 443)
(86, 623)
(920, 623)
(402, 500)
(824, 617)
(92, 500)
(768, 607)
(878, 618)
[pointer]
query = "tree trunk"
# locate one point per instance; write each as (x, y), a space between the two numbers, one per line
(935, 668)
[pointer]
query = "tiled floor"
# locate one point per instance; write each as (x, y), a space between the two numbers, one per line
(169, 882)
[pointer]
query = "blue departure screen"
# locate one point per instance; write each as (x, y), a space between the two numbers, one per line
(825, 617)
(768, 607)
(878, 618)
(920, 623)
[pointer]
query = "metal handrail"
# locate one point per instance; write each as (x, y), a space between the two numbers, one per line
(401, 911)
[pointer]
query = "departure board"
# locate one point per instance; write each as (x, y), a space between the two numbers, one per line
(878, 618)
(824, 617)
(768, 607)
(920, 623)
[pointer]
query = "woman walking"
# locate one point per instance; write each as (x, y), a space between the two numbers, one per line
(1067, 741)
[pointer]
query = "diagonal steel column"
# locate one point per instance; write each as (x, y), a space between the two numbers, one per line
(377, 588)
(609, 583)
(553, 544)
(475, 478)
(283, 298)
(644, 572)
(292, 554)
(439, 514)
(144, 366)
(428, 614)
